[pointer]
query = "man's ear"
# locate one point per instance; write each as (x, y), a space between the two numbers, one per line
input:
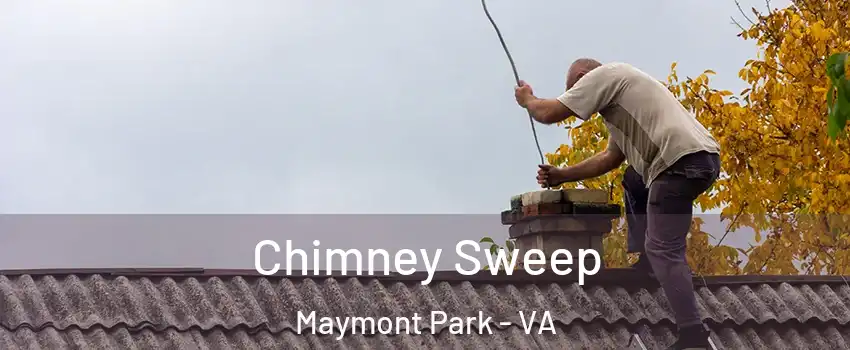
(579, 76)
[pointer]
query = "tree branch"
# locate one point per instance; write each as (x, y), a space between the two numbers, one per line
(741, 10)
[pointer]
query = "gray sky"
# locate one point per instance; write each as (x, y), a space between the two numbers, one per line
(308, 106)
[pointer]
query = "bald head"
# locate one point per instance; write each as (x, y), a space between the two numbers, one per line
(579, 68)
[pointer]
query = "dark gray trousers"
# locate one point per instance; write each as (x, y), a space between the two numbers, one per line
(659, 219)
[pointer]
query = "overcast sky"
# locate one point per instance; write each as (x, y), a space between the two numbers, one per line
(296, 106)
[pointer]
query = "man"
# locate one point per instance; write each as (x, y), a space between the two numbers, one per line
(672, 160)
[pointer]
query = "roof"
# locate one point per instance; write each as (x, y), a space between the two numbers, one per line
(230, 309)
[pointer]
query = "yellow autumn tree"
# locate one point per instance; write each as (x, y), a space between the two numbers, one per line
(782, 176)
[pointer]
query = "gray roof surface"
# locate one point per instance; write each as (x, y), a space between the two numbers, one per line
(241, 310)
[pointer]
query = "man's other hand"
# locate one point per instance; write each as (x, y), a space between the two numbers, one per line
(523, 93)
(550, 176)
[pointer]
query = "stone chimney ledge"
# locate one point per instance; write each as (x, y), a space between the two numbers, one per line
(572, 219)
(559, 202)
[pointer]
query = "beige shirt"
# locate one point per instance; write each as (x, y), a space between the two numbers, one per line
(645, 120)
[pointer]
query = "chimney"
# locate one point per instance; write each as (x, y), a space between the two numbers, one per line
(570, 219)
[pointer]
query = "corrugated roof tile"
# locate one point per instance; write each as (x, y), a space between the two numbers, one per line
(576, 336)
(103, 311)
(230, 302)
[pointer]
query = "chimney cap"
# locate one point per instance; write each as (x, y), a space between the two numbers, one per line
(571, 202)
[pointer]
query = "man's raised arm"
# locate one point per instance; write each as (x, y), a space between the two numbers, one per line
(590, 94)
(544, 111)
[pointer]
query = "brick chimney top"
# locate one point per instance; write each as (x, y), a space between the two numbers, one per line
(571, 219)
